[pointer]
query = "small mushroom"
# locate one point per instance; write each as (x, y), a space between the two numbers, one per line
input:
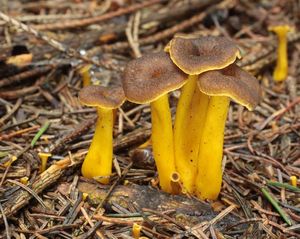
(136, 230)
(195, 55)
(24, 180)
(98, 161)
(293, 180)
(44, 159)
(281, 69)
(85, 74)
(221, 85)
(148, 80)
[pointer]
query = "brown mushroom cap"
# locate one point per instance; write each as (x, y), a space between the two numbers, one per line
(197, 55)
(95, 95)
(233, 82)
(147, 78)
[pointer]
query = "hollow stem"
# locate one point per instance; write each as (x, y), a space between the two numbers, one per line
(189, 121)
(98, 161)
(162, 141)
(175, 183)
(209, 175)
(281, 69)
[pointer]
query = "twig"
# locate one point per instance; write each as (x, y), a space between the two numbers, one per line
(5, 222)
(57, 45)
(28, 190)
(50, 229)
(19, 132)
(158, 36)
(127, 223)
(55, 171)
(82, 128)
(97, 19)
(11, 112)
(111, 189)
(14, 94)
(22, 197)
(24, 75)
(165, 216)
(94, 227)
(132, 34)
(277, 114)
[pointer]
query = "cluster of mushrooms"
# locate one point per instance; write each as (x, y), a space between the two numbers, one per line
(190, 151)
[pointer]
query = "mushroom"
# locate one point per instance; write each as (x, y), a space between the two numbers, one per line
(195, 56)
(85, 74)
(98, 161)
(293, 180)
(24, 180)
(281, 69)
(136, 230)
(221, 85)
(148, 79)
(44, 159)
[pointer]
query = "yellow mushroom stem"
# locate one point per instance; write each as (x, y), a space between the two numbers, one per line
(136, 230)
(293, 180)
(85, 74)
(281, 69)
(189, 121)
(44, 159)
(162, 141)
(12, 159)
(98, 161)
(209, 176)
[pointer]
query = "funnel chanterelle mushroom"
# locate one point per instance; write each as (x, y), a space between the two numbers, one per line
(98, 161)
(148, 80)
(195, 56)
(221, 85)
(281, 69)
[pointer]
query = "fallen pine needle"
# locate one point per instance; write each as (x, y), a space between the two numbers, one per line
(40, 133)
(275, 204)
(284, 185)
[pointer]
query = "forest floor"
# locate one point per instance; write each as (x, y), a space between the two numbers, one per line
(43, 47)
